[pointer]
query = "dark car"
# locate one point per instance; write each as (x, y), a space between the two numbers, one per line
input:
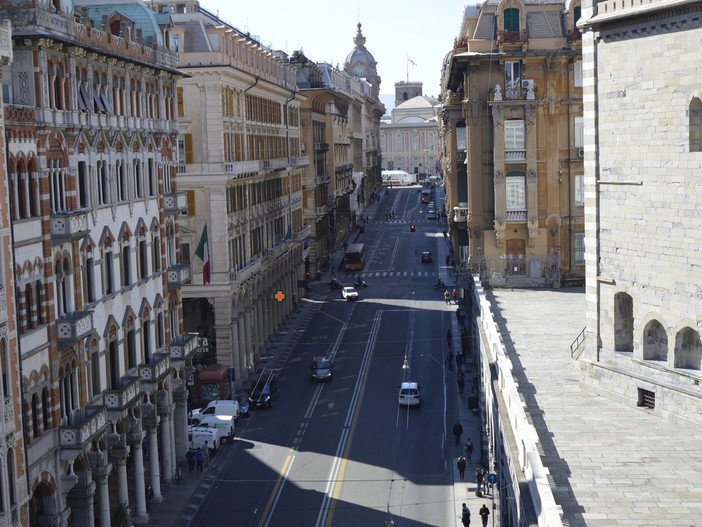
(427, 257)
(322, 368)
(264, 392)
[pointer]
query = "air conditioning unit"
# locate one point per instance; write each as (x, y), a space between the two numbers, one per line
(528, 83)
(581, 152)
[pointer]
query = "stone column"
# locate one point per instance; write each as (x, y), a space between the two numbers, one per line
(151, 424)
(81, 502)
(248, 343)
(119, 456)
(237, 358)
(180, 421)
(135, 441)
(100, 475)
(164, 412)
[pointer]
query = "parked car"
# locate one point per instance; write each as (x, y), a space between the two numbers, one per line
(409, 394)
(226, 423)
(218, 407)
(204, 437)
(322, 368)
(265, 391)
(349, 293)
(427, 257)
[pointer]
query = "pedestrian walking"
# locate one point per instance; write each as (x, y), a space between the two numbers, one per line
(190, 457)
(199, 458)
(485, 481)
(458, 432)
(478, 481)
(469, 450)
(178, 475)
(461, 465)
(447, 297)
(454, 295)
(461, 383)
(484, 513)
(449, 361)
(465, 515)
(448, 337)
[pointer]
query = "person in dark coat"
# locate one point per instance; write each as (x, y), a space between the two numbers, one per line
(458, 432)
(484, 513)
(190, 457)
(461, 465)
(465, 515)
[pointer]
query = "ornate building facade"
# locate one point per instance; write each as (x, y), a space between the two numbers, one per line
(14, 499)
(512, 140)
(90, 102)
(242, 166)
(643, 341)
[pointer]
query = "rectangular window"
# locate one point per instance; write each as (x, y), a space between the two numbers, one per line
(578, 73)
(579, 191)
(108, 273)
(83, 194)
(514, 135)
(513, 75)
(579, 245)
(126, 270)
(578, 132)
(460, 139)
(516, 193)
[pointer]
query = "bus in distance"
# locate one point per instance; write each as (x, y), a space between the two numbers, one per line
(354, 257)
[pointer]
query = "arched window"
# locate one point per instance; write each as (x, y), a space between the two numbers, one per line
(655, 342)
(623, 322)
(130, 344)
(688, 350)
(695, 130)
(36, 416)
(46, 416)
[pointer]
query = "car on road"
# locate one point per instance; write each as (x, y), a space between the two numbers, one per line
(409, 394)
(349, 293)
(217, 407)
(322, 368)
(265, 391)
(427, 257)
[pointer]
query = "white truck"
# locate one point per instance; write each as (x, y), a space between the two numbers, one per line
(349, 293)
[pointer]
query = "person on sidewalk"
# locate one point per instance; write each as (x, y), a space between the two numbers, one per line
(454, 295)
(465, 515)
(458, 432)
(461, 383)
(199, 459)
(461, 465)
(484, 513)
(190, 457)
(478, 481)
(469, 450)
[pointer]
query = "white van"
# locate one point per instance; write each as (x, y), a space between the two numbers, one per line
(218, 407)
(203, 437)
(225, 423)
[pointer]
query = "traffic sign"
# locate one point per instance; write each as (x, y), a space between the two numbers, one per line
(492, 478)
(279, 296)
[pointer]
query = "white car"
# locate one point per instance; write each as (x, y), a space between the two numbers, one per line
(349, 293)
(409, 394)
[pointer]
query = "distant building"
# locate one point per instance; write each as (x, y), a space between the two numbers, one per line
(512, 143)
(409, 141)
(643, 152)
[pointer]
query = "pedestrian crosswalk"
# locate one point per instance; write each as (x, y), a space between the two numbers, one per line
(387, 274)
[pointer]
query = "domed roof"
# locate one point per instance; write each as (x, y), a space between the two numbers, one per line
(360, 62)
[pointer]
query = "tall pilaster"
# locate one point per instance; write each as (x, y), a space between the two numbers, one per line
(135, 441)
(119, 457)
(100, 474)
(180, 421)
(151, 424)
(164, 413)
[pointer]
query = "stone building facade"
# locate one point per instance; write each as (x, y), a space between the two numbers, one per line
(512, 141)
(90, 124)
(14, 498)
(241, 164)
(643, 153)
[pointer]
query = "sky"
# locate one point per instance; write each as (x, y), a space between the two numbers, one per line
(396, 32)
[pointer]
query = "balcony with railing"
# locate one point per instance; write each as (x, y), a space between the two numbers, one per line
(515, 156)
(84, 425)
(118, 399)
(461, 212)
(178, 275)
(175, 203)
(239, 276)
(320, 146)
(298, 162)
(72, 327)
(277, 251)
(303, 233)
(512, 38)
(157, 369)
(515, 216)
(68, 225)
(184, 346)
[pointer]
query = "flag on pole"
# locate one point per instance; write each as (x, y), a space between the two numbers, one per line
(412, 62)
(203, 252)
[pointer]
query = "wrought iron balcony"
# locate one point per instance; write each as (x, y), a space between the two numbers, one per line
(156, 369)
(321, 147)
(120, 399)
(178, 275)
(68, 225)
(72, 327)
(87, 424)
(239, 276)
(184, 346)
(461, 212)
(175, 203)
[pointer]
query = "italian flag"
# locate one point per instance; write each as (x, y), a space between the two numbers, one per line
(203, 252)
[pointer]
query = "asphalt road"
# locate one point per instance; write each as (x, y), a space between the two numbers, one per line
(343, 453)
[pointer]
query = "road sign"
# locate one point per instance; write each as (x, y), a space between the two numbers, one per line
(492, 479)
(279, 296)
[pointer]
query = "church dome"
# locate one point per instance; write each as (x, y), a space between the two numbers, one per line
(360, 62)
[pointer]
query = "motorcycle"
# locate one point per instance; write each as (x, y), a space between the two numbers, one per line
(334, 284)
(360, 283)
(244, 406)
(439, 285)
